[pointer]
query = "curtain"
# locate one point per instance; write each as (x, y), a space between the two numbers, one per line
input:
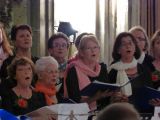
(111, 19)
(147, 15)
(133, 13)
(105, 24)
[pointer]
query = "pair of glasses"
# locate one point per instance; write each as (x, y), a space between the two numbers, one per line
(92, 48)
(59, 45)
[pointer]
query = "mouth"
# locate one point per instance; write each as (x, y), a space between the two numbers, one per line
(128, 51)
(27, 78)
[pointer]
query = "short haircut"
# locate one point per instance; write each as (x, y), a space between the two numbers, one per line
(119, 111)
(43, 62)
(15, 29)
(139, 28)
(56, 36)
(78, 39)
(87, 38)
(115, 54)
(17, 62)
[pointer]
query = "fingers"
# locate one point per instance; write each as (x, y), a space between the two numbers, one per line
(155, 102)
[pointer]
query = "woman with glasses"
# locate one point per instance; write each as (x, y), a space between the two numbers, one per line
(85, 70)
(58, 46)
(126, 68)
(144, 45)
(22, 98)
(47, 71)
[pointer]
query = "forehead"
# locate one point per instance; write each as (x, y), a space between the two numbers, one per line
(51, 66)
(23, 66)
(88, 42)
(59, 40)
(126, 39)
(138, 33)
(22, 31)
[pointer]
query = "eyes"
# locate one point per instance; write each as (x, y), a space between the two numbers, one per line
(57, 45)
(92, 48)
(52, 71)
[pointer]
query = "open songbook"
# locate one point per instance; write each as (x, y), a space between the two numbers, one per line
(144, 95)
(95, 86)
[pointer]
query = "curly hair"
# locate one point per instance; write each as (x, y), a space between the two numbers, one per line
(16, 62)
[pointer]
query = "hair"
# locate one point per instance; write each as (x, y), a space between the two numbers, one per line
(43, 62)
(115, 54)
(119, 111)
(139, 28)
(154, 38)
(78, 39)
(85, 39)
(17, 62)
(56, 36)
(15, 29)
(5, 43)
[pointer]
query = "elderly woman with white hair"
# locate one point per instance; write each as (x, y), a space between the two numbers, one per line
(47, 71)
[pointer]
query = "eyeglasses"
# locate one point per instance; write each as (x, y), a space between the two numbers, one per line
(92, 48)
(56, 45)
(141, 39)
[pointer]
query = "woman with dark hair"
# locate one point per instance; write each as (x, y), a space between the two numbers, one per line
(126, 68)
(21, 35)
(22, 99)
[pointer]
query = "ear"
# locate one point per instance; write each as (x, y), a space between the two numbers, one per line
(80, 52)
(50, 51)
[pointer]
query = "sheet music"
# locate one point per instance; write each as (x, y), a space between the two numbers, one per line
(156, 114)
(80, 111)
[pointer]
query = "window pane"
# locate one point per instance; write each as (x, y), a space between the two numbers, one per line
(80, 13)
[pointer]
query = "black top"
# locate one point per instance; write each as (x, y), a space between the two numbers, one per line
(148, 62)
(9, 102)
(73, 86)
(143, 78)
(156, 83)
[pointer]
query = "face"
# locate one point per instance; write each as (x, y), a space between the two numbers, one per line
(91, 51)
(127, 48)
(59, 49)
(50, 75)
(1, 37)
(24, 75)
(140, 38)
(156, 47)
(23, 39)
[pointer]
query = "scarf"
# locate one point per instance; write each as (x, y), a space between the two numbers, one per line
(83, 71)
(48, 92)
(122, 76)
(141, 58)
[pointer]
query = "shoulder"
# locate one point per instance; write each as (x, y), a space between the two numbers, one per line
(103, 65)
(149, 57)
(34, 58)
(8, 60)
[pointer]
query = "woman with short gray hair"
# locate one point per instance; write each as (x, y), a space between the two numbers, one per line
(47, 71)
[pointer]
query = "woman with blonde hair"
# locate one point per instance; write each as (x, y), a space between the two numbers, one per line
(5, 47)
(144, 45)
(84, 71)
